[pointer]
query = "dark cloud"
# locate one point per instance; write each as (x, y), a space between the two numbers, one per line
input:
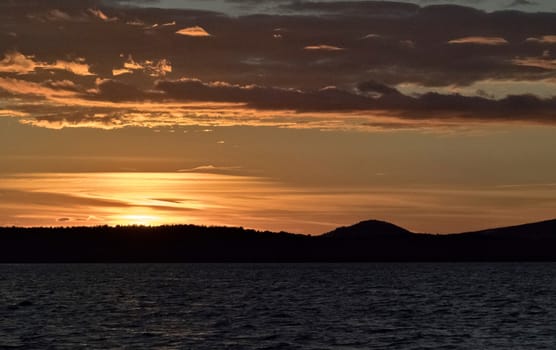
(112, 90)
(80, 117)
(264, 97)
(383, 55)
(27, 4)
(513, 107)
(522, 3)
(263, 60)
(128, 2)
(382, 98)
(460, 2)
(115, 104)
(62, 85)
(374, 9)
(378, 88)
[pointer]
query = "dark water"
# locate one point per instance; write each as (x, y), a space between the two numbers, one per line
(286, 306)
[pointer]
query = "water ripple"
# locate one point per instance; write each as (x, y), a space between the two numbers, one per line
(278, 306)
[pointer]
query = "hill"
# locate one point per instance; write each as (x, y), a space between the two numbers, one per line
(369, 230)
(366, 241)
(538, 230)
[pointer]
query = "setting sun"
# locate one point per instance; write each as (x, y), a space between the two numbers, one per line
(142, 220)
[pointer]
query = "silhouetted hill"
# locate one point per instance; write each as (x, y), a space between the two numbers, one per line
(369, 229)
(537, 230)
(366, 241)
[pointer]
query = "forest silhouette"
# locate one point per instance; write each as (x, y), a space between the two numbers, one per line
(366, 241)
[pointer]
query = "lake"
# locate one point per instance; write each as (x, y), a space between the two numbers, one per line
(279, 306)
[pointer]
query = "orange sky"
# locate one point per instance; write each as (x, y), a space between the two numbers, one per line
(118, 198)
(115, 114)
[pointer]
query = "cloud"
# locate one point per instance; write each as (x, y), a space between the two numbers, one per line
(121, 71)
(372, 96)
(384, 58)
(371, 36)
(330, 99)
(15, 62)
(545, 39)
(62, 85)
(12, 113)
(516, 3)
(115, 104)
(490, 88)
(323, 47)
(132, 65)
(21, 87)
(112, 90)
(18, 63)
(66, 12)
(372, 9)
(480, 40)
(77, 67)
(57, 15)
(155, 68)
(195, 31)
(212, 169)
(135, 22)
(101, 15)
(376, 88)
(244, 72)
(536, 62)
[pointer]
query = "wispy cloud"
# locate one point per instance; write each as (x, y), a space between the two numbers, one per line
(154, 68)
(12, 113)
(189, 197)
(323, 47)
(537, 62)
(195, 31)
(545, 39)
(480, 40)
(74, 14)
(101, 15)
(212, 169)
(15, 62)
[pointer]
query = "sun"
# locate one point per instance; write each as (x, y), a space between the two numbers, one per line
(138, 219)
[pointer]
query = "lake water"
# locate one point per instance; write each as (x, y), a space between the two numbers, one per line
(279, 306)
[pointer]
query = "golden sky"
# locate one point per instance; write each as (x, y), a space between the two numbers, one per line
(298, 116)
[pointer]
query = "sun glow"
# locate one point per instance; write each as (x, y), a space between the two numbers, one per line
(151, 199)
(138, 219)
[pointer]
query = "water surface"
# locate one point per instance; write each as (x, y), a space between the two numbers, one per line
(279, 306)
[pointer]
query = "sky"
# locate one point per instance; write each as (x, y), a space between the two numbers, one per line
(300, 116)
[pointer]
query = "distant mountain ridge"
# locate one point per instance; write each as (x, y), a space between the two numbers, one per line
(382, 229)
(539, 229)
(371, 240)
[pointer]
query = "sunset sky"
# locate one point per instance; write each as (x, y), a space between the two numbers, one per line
(437, 115)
